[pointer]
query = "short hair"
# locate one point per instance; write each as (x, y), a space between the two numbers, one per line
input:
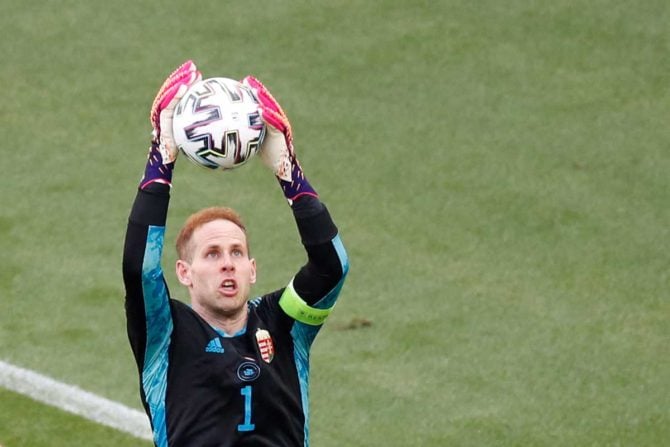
(200, 218)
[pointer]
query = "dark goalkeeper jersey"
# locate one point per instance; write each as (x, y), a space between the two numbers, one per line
(202, 387)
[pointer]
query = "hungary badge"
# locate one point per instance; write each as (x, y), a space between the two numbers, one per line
(265, 345)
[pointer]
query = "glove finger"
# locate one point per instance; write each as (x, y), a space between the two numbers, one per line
(180, 86)
(186, 67)
(254, 85)
(182, 70)
(266, 98)
(263, 94)
(273, 119)
(271, 112)
(175, 91)
(281, 124)
(257, 88)
(168, 91)
(186, 72)
(172, 91)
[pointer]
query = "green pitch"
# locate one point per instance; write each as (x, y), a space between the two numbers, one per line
(498, 171)
(24, 423)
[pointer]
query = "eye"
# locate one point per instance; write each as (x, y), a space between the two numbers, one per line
(212, 254)
(237, 252)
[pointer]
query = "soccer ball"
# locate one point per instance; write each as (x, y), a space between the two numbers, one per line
(217, 124)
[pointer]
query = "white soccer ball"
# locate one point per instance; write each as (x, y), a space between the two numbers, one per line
(217, 124)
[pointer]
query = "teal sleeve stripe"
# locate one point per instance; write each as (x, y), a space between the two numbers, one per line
(159, 331)
(304, 334)
(342, 254)
(301, 333)
(295, 307)
(328, 301)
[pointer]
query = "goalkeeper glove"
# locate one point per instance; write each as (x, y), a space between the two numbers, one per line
(163, 151)
(276, 150)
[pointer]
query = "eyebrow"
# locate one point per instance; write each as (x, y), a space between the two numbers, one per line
(221, 247)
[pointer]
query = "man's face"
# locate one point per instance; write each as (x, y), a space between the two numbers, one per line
(220, 273)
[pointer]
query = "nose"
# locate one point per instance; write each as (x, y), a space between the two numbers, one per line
(227, 263)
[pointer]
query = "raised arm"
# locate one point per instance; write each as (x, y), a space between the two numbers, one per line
(314, 289)
(319, 281)
(147, 305)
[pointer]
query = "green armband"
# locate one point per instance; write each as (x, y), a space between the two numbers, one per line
(296, 308)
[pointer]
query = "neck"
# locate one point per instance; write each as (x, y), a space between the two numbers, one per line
(229, 323)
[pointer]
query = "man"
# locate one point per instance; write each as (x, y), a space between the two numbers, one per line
(226, 371)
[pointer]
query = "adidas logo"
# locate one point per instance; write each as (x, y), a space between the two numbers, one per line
(214, 346)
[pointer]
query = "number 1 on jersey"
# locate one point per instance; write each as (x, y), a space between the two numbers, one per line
(247, 426)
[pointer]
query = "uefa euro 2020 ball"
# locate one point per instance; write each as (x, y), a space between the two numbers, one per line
(217, 124)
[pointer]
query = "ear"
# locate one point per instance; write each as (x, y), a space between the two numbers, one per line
(252, 279)
(183, 270)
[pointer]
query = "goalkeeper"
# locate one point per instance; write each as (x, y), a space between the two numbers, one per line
(226, 370)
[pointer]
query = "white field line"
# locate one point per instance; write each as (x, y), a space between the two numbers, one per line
(74, 400)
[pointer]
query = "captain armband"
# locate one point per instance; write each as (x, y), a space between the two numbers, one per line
(296, 308)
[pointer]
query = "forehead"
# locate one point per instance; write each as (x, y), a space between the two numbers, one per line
(219, 232)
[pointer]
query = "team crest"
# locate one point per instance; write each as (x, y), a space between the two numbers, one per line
(265, 345)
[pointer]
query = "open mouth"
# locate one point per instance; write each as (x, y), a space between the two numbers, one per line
(228, 287)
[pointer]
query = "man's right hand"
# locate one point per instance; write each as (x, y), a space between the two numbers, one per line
(277, 148)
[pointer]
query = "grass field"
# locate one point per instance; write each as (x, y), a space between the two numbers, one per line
(498, 172)
(26, 424)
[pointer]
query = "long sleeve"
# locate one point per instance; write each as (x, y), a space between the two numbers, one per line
(319, 281)
(147, 306)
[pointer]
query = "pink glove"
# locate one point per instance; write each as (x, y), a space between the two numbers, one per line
(163, 151)
(277, 147)
(162, 109)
